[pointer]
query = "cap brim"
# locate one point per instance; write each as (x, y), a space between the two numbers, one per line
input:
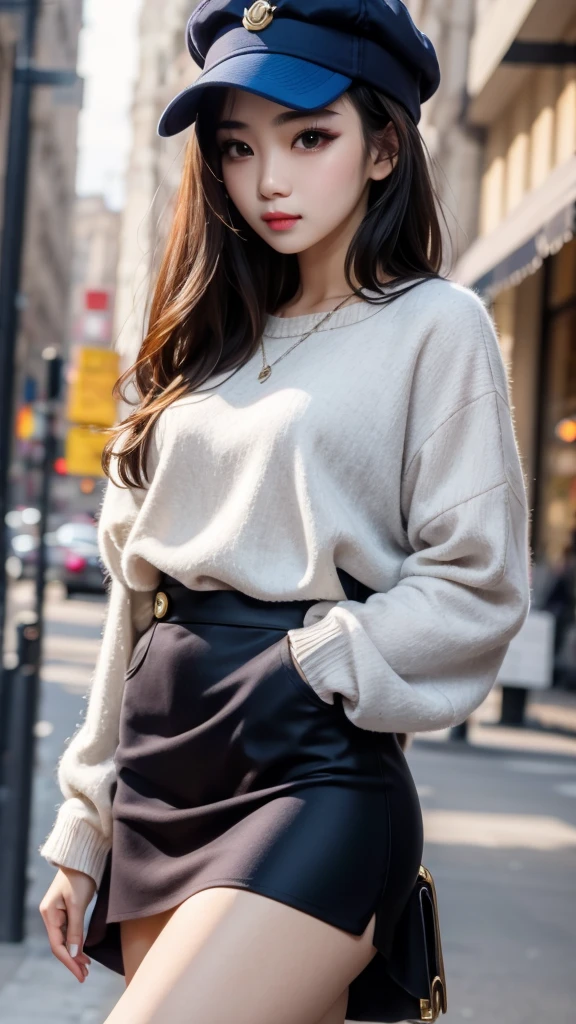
(287, 80)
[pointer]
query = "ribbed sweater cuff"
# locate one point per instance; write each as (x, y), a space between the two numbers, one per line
(322, 652)
(74, 843)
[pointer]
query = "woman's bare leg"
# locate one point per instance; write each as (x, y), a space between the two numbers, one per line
(337, 1015)
(137, 937)
(227, 954)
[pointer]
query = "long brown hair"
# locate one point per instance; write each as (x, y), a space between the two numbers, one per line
(218, 279)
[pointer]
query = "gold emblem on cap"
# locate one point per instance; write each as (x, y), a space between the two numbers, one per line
(258, 16)
(160, 605)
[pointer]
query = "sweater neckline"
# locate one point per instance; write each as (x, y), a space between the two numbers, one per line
(292, 326)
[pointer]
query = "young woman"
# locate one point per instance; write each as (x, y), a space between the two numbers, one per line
(315, 529)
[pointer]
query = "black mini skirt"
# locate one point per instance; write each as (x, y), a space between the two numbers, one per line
(231, 771)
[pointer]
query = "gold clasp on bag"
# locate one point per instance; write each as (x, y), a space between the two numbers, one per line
(430, 1009)
(160, 605)
(258, 16)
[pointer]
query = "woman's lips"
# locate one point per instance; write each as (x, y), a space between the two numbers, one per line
(279, 221)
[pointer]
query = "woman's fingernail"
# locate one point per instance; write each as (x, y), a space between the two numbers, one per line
(73, 949)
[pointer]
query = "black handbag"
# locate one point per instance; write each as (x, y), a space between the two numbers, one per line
(416, 966)
(412, 984)
(409, 983)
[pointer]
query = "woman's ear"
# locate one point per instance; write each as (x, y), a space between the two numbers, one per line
(384, 154)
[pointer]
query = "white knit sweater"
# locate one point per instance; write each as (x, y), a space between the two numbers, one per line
(383, 444)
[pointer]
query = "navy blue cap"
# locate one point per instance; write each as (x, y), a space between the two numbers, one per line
(305, 53)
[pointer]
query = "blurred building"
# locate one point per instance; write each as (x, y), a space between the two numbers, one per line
(47, 257)
(455, 145)
(95, 240)
(8, 30)
(521, 95)
(95, 244)
(154, 169)
(50, 202)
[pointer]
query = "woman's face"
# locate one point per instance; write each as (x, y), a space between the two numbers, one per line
(312, 168)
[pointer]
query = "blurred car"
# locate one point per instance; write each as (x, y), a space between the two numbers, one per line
(22, 542)
(74, 557)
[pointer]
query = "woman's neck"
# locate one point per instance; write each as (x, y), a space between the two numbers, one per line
(321, 296)
(323, 282)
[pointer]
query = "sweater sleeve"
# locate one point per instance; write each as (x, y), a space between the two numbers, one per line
(82, 833)
(425, 654)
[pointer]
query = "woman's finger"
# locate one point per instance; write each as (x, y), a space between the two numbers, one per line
(55, 921)
(75, 926)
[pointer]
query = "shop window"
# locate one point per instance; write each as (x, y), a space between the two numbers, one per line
(563, 275)
(557, 517)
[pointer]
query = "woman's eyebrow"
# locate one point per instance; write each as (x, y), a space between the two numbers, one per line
(230, 124)
(301, 115)
(289, 115)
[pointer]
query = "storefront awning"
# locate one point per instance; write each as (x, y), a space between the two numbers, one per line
(539, 226)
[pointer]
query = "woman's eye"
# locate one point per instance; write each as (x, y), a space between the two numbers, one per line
(234, 148)
(312, 139)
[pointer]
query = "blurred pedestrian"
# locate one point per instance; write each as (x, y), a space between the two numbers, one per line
(559, 598)
(315, 527)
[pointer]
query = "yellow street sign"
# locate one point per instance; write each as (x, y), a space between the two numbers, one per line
(97, 360)
(84, 451)
(25, 426)
(92, 377)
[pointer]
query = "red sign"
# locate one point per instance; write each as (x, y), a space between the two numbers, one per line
(96, 300)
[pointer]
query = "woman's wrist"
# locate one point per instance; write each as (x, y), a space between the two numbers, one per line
(75, 872)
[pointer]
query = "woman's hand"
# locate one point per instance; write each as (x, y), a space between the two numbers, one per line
(62, 909)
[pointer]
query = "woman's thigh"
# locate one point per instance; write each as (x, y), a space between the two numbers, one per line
(227, 954)
(137, 937)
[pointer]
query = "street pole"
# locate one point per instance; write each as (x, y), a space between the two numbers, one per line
(26, 76)
(21, 697)
(19, 686)
(16, 779)
(14, 210)
(514, 700)
(53, 386)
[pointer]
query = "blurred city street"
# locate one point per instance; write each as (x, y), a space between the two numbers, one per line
(500, 819)
(88, 189)
(34, 986)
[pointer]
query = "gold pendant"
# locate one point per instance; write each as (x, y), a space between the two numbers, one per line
(264, 373)
(259, 16)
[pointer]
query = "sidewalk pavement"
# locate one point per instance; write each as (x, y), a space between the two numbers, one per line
(550, 726)
(36, 989)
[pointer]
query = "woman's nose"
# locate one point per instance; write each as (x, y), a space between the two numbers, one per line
(272, 181)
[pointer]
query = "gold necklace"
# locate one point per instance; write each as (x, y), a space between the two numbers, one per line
(267, 367)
